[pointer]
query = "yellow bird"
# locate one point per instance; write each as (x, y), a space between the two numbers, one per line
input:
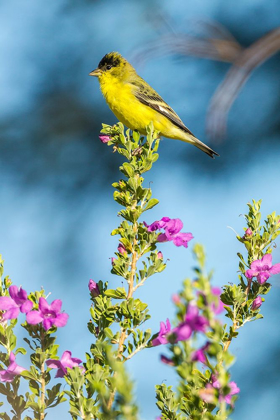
(135, 103)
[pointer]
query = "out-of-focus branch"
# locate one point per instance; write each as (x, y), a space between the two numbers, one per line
(249, 59)
(218, 44)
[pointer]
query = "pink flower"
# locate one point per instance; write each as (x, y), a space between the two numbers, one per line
(12, 370)
(233, 390)
(179, 239)
(49, 315)
(193, 322)
(218, 307)
(172, 232)
(263, 269)
(166, 360)
(257, 303)
(113, 259)
(93, 288)
(104, 139)
(65, 362)
(164, 330)
(159, 224)
(17, 302)
(172, 227)
(199, 355)
(122, 249)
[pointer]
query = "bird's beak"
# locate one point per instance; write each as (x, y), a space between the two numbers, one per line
(96, 73)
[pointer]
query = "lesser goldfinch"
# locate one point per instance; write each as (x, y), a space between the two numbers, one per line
(135, 103)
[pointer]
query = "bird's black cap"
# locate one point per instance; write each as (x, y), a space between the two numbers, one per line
(112, 59)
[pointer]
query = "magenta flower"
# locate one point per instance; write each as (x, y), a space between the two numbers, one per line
(172, 232)
(233, 390)
(164, 330)
(12, 370)
(17, 302)
(172, 227)
(199, 355)
(65, 362)
(122, 249)
(166, 360)
(263, 269)
(49, 315)
(182, 239)
(193, 322)
(218, 307)
(159, 224)
(93, 288)
(104, 139)
(257, 303)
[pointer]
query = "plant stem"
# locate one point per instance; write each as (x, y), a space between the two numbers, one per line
(234, 327)
(43, 383)
(42, 414)
(129, 295)
(227, 344)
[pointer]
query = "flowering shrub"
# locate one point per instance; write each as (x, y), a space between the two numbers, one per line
(196, 344)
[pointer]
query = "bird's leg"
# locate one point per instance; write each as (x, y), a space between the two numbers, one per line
(138, 151)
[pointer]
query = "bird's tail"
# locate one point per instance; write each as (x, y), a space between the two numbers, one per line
(206, 149)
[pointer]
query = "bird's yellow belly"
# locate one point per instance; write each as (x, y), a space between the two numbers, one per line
(132, 113)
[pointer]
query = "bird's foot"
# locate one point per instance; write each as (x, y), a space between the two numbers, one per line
(138, 151)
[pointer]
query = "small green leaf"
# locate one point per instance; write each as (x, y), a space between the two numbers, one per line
(152, 203)
(119, 293)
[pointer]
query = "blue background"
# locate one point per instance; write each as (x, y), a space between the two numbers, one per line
(57, 209)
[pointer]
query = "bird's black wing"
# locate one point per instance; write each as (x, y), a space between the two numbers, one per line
(148, 96)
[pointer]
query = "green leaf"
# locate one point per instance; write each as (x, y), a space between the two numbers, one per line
(152, 203)
(109, 333)
(20, 350)
(119, 293)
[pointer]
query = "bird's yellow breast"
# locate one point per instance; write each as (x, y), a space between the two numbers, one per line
(129, 110)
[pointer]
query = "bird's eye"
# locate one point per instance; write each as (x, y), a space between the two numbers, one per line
(108, 67)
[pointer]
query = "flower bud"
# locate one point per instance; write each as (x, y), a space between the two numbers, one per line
(176, 299)
(121, 249)
(160, 255)
(7, 282)
(166, 360)
(113, 259)
(93, 288)
(248, 233)
(104, 139)
(257, 303)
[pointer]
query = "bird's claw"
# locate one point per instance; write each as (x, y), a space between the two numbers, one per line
(138, 151)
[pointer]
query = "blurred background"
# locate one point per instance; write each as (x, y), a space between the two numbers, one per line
(57, 209)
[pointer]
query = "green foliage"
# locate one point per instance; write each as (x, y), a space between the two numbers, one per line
(101, 388)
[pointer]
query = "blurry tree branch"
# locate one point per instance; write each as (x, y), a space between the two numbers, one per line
(218, 44)
(248, 60)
